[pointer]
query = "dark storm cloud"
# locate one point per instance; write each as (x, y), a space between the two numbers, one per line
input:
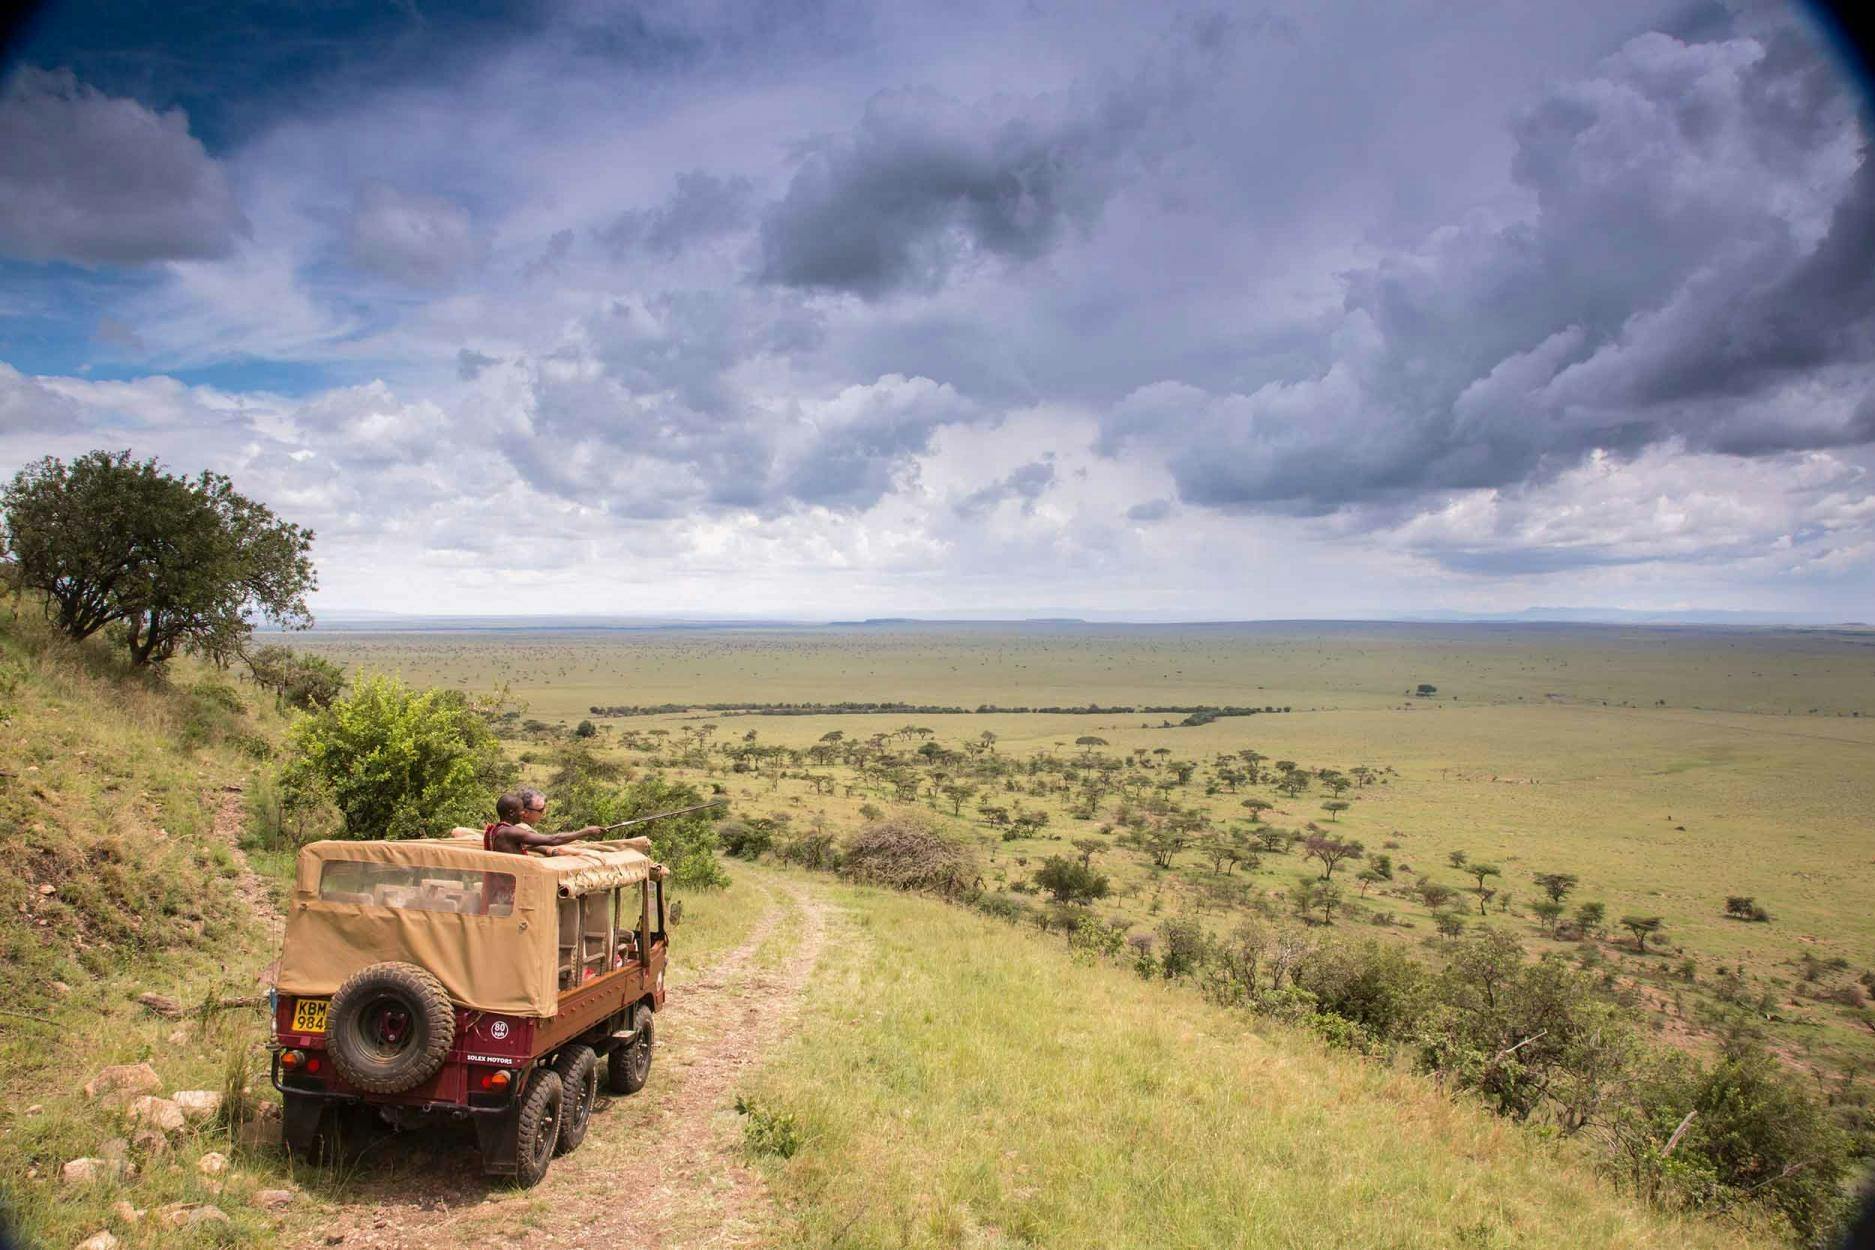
(924, 181)
(95, 180)
(1678, 275)
(1787, 317)
(701, 207)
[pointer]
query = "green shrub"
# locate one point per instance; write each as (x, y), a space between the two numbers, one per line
(741, 839)
(1070, 881)
(767, 1131)
(1755, 1135)
(1186, 947)
(399, 762)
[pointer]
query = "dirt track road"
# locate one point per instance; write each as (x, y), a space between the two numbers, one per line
(662, 1168)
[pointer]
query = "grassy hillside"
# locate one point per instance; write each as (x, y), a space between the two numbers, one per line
(122, 879)
(962, 1083)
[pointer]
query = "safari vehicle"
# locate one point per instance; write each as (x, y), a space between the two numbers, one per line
(433, 978)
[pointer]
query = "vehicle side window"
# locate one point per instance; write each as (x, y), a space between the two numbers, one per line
(408, 888)
(569, 941)
(627, 911)
(595, 953)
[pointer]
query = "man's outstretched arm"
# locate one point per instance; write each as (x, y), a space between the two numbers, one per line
(536, 841)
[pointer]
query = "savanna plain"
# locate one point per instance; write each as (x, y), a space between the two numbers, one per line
(1095, 1029)
(1667, 769)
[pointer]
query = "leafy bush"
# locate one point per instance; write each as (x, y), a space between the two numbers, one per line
(1092, 938)
(767, 1131)
(1375, 985)
(1070, 881)
(399, 762)
(1744, 907)
(908, 853)
(1186, 947)
(741, 839)
(309, 682)
(1755, 1134)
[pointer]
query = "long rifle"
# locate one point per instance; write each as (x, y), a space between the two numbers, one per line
(645, 820)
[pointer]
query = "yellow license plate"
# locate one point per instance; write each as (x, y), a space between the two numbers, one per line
(309, 1015)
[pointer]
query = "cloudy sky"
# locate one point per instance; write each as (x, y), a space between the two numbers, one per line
(830, 308)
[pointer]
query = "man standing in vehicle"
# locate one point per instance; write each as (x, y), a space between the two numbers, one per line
(517, 813)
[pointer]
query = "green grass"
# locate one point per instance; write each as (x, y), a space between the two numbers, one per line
(715, 922)
(111, 781)
(960, 1083)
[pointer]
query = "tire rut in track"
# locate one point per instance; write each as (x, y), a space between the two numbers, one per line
(660, 1168)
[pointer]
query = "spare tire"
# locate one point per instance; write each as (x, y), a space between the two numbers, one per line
(390, 1027)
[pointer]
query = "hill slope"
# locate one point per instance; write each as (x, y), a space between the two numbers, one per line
(121, 797)
(964, 1083)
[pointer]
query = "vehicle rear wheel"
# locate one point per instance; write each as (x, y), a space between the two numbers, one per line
(537, 1127)
(578, 1067)
(629, 1066)
(390, 1027)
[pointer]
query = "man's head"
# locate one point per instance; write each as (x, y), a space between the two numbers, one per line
(508, 807)
(533, 806)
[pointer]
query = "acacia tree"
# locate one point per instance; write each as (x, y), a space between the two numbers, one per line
(1481, 871)
(177, 562)
(1160, 843)
(1331, 851)
(302, 681)
(1642, 927)
(1556, 884)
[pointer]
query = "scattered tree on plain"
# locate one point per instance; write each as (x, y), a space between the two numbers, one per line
(1642, 927)
(1331, 852)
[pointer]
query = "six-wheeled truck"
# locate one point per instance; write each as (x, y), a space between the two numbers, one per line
(434, 978)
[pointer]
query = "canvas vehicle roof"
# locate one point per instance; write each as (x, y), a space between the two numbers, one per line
(443, 904)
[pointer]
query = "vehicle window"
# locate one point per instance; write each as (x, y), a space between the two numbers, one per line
(469, 891)
(595, 955)
(569, 941)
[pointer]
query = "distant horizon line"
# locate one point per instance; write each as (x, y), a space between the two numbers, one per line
(364, 618)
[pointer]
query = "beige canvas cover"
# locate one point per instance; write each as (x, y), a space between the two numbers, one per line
(490, 962)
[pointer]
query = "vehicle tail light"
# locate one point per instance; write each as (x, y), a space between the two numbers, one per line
(292, 1059)
(312, 1064)
(497, 1081)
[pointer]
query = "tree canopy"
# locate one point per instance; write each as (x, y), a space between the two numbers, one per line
(174, 562)
(399, 762)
